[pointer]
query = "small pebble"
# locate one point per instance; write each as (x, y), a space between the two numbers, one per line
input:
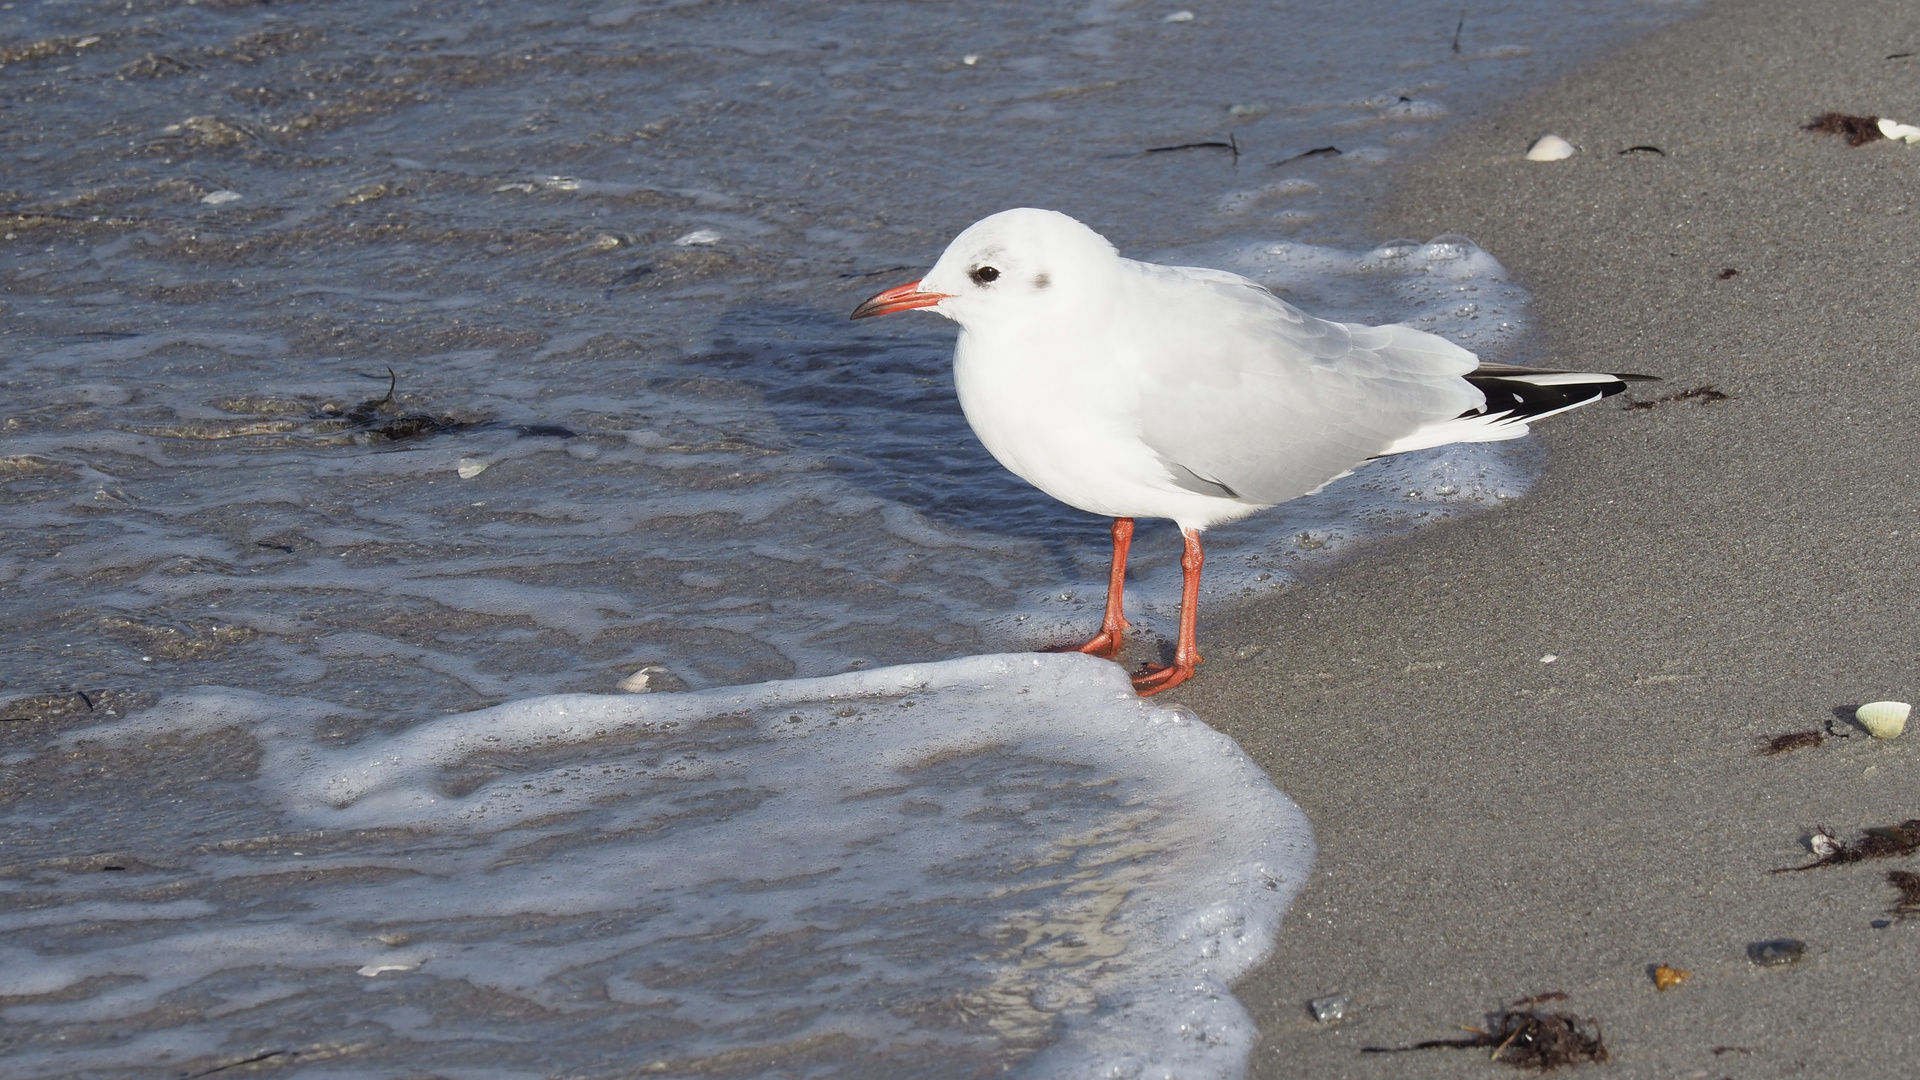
(1778, 952)
(215, 198)
(1332, 1008)
(470, 468)
(698, 238)
(1180, 17)
(1666, 977)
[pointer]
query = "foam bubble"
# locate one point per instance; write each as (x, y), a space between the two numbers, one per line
(1000, 862)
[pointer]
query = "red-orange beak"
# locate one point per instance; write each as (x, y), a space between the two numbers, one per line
(899, 298)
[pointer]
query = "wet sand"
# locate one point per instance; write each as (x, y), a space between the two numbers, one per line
(1708, 573)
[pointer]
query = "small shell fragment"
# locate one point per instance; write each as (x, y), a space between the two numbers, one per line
(1666, 978)
(653, 679)
(1823, 843)
(1550, 148)
(471, 467)
(1883, 719)
(1899, 132)
(371, 970)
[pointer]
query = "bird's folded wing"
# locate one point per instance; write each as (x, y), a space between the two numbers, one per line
(1270, 403)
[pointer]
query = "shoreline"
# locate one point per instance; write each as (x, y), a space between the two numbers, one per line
(1706, 572)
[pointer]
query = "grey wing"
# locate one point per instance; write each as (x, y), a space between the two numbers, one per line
(1268, 403)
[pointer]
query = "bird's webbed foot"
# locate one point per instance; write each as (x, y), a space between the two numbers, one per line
(1154, 678)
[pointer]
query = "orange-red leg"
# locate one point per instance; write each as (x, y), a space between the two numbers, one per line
(1186, 651)
(1107, 642)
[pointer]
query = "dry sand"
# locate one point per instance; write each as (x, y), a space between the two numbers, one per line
(1493, 826)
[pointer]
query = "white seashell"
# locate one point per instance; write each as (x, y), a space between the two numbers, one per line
(1883, 719)
(1899, 132)
(641, 682)
(1179, 17)
(698, 238)
(216, 198)
(471, 467)
(1823, 844)
(1550, 148)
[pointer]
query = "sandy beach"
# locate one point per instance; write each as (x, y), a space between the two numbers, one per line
(1706, 572)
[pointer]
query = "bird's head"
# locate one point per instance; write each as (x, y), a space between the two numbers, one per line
(1015, 259)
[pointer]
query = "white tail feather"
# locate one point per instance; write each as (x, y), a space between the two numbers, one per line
(1482, 427)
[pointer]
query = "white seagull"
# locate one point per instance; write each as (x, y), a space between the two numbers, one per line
(1129, 389)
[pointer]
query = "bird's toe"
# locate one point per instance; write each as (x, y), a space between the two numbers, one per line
(1154, 678)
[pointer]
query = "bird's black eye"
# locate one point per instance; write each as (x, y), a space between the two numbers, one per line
(983, 274)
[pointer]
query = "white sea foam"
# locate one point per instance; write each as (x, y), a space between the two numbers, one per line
(999, 862)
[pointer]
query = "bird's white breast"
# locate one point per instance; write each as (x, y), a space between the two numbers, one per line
(1065, 414)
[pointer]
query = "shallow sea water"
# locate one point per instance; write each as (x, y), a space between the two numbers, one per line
(367, 365)
(928, 870)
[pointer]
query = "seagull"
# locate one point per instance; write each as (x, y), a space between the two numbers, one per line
(1130, 389)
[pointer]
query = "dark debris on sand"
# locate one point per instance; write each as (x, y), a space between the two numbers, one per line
(1793, 740)
(1908, 882)
(1857, 130)
(1705, 395)
(1886, 842)
(1524, 1036)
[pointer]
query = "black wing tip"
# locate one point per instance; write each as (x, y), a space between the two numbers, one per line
(1510, 390)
